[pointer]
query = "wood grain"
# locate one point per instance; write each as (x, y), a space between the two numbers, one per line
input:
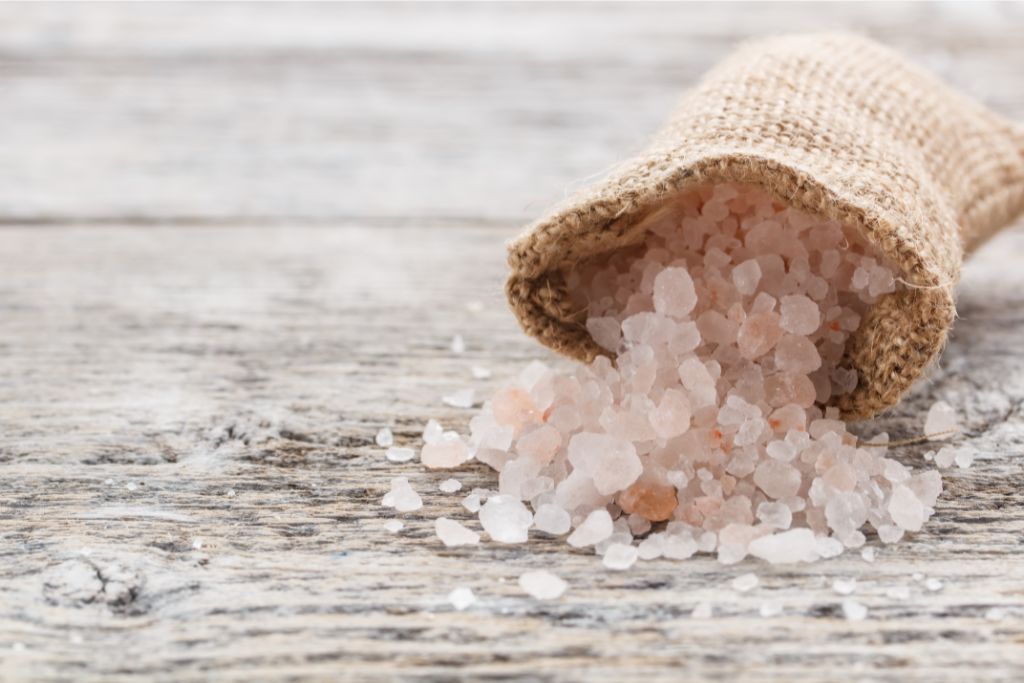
(238, 240)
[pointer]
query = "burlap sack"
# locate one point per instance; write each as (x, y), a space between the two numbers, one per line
(835, 125)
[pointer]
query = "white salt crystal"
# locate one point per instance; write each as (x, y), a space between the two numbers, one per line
(769, 610)
(506, 519)
(611, 462)
(447, 452)
(889, 533)
(703, 610)
(453, 533)
(401, 496)
(941, 422)
(542, 585)
(472, 502)
(463, 398)
(800, 315)
(393, 525)
(746, 276)
(905, 508)
(965, 457)
(595, 528)
(458, 344)
(844, 586)
(917, 576)
(933, 584)
(620, 556)
(606, 332)
(796, 354)
(552, 519)
(450, 486)
(829, 547)
(854, 611)
(674, 293)
(480, 372)
(868, 554)
(777, 479)
(432, 432)
(396, 454)
(945, 456)
(795, 545)
(384, 437)
(745, 582)
(461, 598)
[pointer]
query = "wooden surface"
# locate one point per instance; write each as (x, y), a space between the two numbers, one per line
(238, 239)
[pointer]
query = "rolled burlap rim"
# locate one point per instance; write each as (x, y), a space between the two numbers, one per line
(836, 126)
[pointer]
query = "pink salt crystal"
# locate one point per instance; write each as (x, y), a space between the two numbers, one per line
(672, 416)
(453, 533)
(450, 451)
(542, 585)
(620, 556)
(746, 276)
(758, 335)
(941, 421)
(458, 344)
(480, 372)
(698, 382)
(595, 528)
(905, 508)
(745, 582)
(796, 354)
(795, 545)
(606, 332)
(513, 407)
(800, 315)
(674, 293)
(552, 519)
(889, 533)
(716, 328)
(777, 479)
(684, 337)
(540, 444)
(505, 519)
(611, 463)
(653, 501)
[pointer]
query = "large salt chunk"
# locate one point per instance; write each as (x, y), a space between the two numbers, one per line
(453, 533)
(795, 545)
(611, 463)
(463, 398)
(776, 515)
(552, 519)
(595, 528)
(698, 382)
(800, 315)
(941, 422)
(905, 508)
(542, 585)
(506, 519)
(674, 293)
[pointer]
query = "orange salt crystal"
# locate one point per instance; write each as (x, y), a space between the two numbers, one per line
(655, 502)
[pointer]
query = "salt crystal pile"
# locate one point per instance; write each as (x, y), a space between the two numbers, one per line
(708, 434)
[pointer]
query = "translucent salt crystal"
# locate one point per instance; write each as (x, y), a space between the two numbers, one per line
(846, 512)
(672, 416)
(542, 585)
(781, 450)
(540, 444)
(797, 355)
(703, 610)
(655, 502)
(674, 293)
(447, 452)
(620, 556)
(800, 315)
(552, 519)
(450, 486)
(906, 509)
(396, 454)
(777, 479)
(698, 383)
(506, 519)
(776, 515)
(746, 276)
(717, 328)
(401, 496)
(868, 554)
(995, 614)
(610, 462)
(770, 609)
(941, 421)
(595, 528)
(432, 432)
(652, 547)
(933, 584)
(458, 344)
(453, 533)
(844, 586)
(745, 582)
(384, 437)
(854, 611)
(889, 533)
(965, 457)
(758, 335)
(795, 545)
(606, 332)
(463, 398)
(394, 525)
(480, 372)
(461, 598)
(945, 456)
(472, 502)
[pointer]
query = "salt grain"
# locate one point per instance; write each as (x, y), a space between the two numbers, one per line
(854, 611)
(458, 344)
(396, 454)
(933, 584)
(453, 533)
(620, 556)
(461, 598)
(463, 398)
(542, 585)
(844, 586)
(450, 486)
(506, 519)
(402, 497)
(941, 421)
(384, 437)
(393, 525)
(745, 582)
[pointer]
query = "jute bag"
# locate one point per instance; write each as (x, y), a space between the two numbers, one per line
(834, 125)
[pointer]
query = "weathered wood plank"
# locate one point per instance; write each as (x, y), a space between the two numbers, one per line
(145, 374)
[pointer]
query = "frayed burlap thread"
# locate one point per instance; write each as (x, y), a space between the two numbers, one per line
(834, 125)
